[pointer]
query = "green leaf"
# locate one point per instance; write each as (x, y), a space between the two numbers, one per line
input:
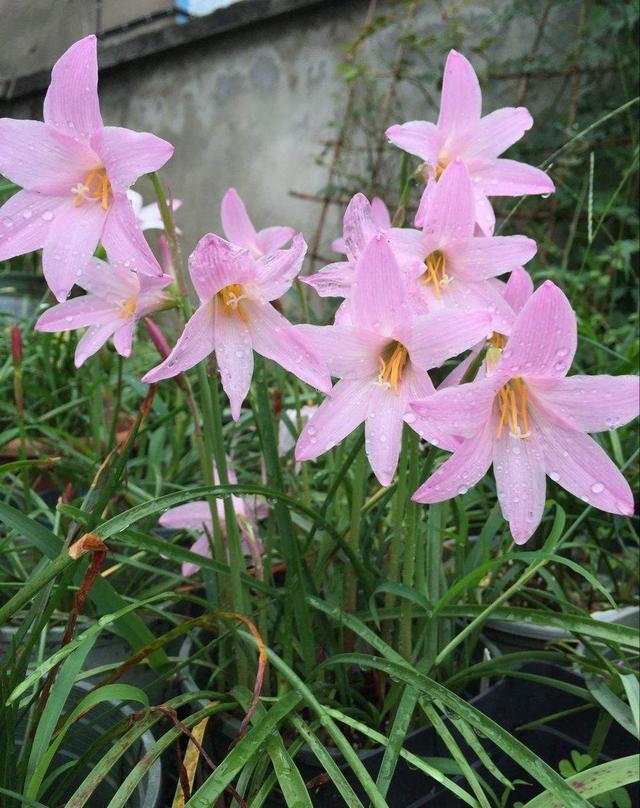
(632, 689)
(614, 705)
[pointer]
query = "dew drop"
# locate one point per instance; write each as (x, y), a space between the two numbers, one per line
(597, 488)
(462, 489)
(554, 476)
(47, 216)
(27, 213)
(7, 222)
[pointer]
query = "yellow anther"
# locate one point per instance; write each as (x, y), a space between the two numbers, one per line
(512, 400)
(392, 365)
(95, 188)
(440, 167)
(127, 309)
(435, 272)
(231, 296)
(497, 340)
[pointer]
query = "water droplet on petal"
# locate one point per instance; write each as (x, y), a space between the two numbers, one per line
(597, 488)
(554, 476)
(47, 216)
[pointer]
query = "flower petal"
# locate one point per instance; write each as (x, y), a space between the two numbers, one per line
(348, 352)
(71, 103)
(434, 338)
(512, 178)
(235, 357)
(92, 340)
(334, 280)
(417, 137)
(123, 337)
(215, 263)
(40, 158)
(123, 239)
(274, 238)
(277, 270)
(383, 430)
(25, 221)
(128, 155)
(577, 463)
(419, 386)
(236, 224)
(497, 131)
(520, 482)
(71, 240)
(378, 297)
(274, 337)
(461, 471)
(461, 410)
(461, 99)
(195, 343)
(480, 258)
(380, 213)
(519, 289)
(485, 216)
(111, 282)
(191, 516)
(80, 312)
(591, 403)
(544, 336)
(339, 414)
(201, 546)
(358, 226)
(451, 214)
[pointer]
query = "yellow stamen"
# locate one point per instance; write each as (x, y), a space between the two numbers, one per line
(127, 309)
(231, 296)
(497, 340)
(435, 272)
(95, 188)
(392, 365)
(512, 400)
(440, 167)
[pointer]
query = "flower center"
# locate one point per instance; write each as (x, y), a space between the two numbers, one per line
(392, 364)
(128, 308)
(95, 188)
(435, 272)
(512, 400)
(230, 297)
(440, 167)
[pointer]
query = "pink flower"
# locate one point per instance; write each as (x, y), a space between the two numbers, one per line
(235, 318)
(196, 516)
(239, 229)
(461, 133)
(75, 173)
(380, 217)
(148, 216)
(381, 355)
(117, 299)
(452, 268)
(529, 419)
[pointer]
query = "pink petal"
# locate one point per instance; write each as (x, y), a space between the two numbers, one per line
(408, 247)
(25, 221)
(123, 338)
(340, 413)
(378, 296)
(274, 238)
(39, 158)
(123, 239)
(461, 99)
(80, 312)
(451, 214)
(334, 280)
(236, 224)
(348, 352)
(380, 213)
(195, 343)
(544, 336)
(92, 340)
(191, 516)
(458, 373)
(418, 386)
(519, 289)
(520, 482)
(201, 546)
(128, 155)
(577, 463)
(274, 337)
(235, 357)
(461, 471)
(417, 137)
(71, 104)
(461, 410)
(461, 297)
(591, 403)
(215, 263)
(437, 337)
(426, 200)
(511, 178)
(278, 270)
(338, 245)
(485, 216)
(383, 430)
(110, 282)
(71, 240)
(358, 226)
(481, 258)
(497, 131)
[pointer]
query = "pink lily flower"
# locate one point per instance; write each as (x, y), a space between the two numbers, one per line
(117, 299)
(454, 269)
(196, 516)
(75, 173)
(148, 216)
(235, 318)
(461, 133)
(381, 357)
(239, 229)
(362, 221)
(530, 420)
(380, 217)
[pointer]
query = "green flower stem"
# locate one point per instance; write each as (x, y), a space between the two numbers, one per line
(409, 559)
(397, 520)
(359, 489)
(296, 574)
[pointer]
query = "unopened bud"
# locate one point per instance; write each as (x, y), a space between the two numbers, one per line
(16, 345)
